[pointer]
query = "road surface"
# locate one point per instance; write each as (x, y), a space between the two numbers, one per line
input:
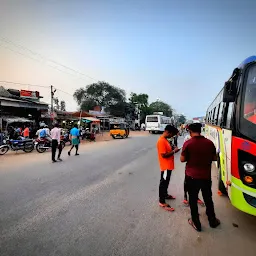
(104, 202)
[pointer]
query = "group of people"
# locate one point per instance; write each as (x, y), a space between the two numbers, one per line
(54, 137)
(198, 153)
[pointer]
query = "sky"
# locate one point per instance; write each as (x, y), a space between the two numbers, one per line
(180, 52)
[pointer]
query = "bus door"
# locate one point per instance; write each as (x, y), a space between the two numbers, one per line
(226, 158)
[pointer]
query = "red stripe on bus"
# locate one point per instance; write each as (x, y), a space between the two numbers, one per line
(242, 144)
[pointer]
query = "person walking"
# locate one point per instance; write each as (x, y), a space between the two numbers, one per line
(74, 137)
(55, 135)
(199, 153)
(166, 161)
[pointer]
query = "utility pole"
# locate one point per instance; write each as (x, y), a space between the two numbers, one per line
(52, 97)
(52, 94)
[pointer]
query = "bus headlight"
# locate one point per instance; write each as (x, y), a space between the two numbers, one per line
(248, 167)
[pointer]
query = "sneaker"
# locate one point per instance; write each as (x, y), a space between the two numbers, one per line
(69, 153)
(76, 154)
(59, 159)
(54, 161)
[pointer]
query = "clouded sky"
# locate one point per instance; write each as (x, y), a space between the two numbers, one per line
(179, 51)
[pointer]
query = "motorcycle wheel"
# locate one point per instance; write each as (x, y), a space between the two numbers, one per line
(4, 150)
(28, 148)
(39, 148)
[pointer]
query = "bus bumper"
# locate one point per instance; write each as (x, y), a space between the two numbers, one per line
(243, 197)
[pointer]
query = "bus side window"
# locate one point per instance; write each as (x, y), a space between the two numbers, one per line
(229, 114)
(216, 115)
(220, 114)
(213, 115)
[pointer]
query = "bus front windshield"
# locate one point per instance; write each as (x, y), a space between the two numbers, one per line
(248, 122)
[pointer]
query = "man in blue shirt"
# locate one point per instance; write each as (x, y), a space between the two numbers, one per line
(74, 137)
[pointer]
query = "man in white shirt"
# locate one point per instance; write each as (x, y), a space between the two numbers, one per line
(55, 134)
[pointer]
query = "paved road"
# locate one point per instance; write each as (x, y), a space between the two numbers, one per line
(104, 202)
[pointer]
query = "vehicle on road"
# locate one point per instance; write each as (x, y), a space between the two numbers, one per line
(89, 136)
(26, 145)
(157, 123)
(43, 144)
(65, 138)
(231, 125)
(119, 130)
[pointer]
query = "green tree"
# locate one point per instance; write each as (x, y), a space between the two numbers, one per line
(182, 119)
(123, 109)
(160, 106)
(99, 94)
(142, 101)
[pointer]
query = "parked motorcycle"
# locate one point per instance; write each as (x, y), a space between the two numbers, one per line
(88, 136)
(27, 145)
(65, 138)
(43, 144)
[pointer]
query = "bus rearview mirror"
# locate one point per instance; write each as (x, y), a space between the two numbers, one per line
(229, 93)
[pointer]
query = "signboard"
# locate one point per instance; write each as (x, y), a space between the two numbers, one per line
(29, 94)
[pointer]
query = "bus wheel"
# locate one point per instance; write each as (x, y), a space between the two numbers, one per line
(221, 185)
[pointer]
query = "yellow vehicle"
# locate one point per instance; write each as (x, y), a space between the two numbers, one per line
(119, 130)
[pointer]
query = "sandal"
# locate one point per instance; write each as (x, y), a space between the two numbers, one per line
(167, 207)
(200, 202)
(170, 197)
(191, 223)
(185, 202)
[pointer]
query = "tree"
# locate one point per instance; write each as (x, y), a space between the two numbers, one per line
(160, 106)
(142, 102)
(123, 109)
(63, 105)
(99, 94)
(140, 99)
(182, 119)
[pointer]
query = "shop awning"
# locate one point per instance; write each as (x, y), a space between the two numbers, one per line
(91, 119)
(8, 102)
(17, 120)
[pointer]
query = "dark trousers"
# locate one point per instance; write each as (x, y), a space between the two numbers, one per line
(54, 149)
(164, 183)
(175, 140)
(186, 190)
(194, 186)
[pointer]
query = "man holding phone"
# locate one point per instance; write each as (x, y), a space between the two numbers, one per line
(166, 161)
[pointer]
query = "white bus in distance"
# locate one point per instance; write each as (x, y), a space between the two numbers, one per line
(157, 123)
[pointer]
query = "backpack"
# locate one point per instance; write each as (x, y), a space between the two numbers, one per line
(42, 133)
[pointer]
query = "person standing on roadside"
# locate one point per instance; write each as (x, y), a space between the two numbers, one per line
(74, 137)
(185, 201)
(55, 135)
(166, 161)
(199, 153)
(26, 132)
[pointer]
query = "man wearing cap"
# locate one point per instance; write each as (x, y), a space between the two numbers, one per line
(166, 161)
(199, 153)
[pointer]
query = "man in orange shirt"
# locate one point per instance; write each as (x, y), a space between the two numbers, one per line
(166, 161)
(26, 132)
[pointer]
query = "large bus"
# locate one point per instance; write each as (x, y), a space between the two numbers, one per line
(231, 125)
(157, 123)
